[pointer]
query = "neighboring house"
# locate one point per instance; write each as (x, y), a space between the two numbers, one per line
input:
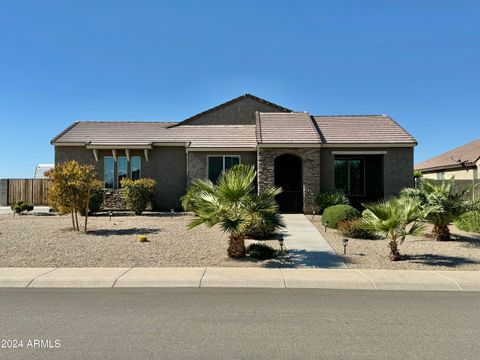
(366, 156)
(462, 163)
(41, 169)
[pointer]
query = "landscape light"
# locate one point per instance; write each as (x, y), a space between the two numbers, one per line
(281, 244)
(345, 243)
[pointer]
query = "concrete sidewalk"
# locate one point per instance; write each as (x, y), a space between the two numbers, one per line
(307, 248)
(240, 277)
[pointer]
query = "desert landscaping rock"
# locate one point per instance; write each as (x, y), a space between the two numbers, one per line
(48, 241)
(419, 253)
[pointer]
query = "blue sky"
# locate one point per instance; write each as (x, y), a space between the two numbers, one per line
(62, 61)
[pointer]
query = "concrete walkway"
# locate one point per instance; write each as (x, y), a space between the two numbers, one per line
(240, 277)
(306, 246)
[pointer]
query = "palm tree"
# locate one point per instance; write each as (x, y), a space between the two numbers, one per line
(394, 219)
(233, 205)
(444, 204)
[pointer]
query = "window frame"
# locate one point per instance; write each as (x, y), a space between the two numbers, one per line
(104, 172)
(223, 162)
(131, 166)
(348, 159)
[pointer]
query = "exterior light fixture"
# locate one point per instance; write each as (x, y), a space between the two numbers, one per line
(313, 214)
(172, 212)
(281, 242)
(345, 243)
(326, 224)
(110, 213)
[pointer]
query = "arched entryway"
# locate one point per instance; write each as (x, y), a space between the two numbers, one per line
(288, 176)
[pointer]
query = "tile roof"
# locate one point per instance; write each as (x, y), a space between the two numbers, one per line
(465, 155)
(146, 133)
(286, 128)
(240, 98)
(363, 129)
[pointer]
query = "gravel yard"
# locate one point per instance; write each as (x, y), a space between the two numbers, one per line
(48, 241)
(419, 253)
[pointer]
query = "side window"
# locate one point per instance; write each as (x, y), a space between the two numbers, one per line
(109, 172)
(231, 161)
(350, 176)
(121, 169)
(215, 167)
(136, 165)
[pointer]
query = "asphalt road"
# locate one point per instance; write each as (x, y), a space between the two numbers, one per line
(239, 324)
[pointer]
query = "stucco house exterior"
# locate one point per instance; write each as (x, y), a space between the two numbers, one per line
(461, 163)
(365, 156)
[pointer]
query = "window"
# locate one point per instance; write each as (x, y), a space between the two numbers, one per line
(350, 176)
(135, 167)
(219, 164)
(440, 176)
(109, 172)
(121, 169)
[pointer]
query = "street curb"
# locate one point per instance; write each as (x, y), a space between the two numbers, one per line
(203, 277)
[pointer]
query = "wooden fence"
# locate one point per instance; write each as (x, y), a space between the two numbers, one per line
(34, 191)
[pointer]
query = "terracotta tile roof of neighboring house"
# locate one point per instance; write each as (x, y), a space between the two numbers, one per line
(147, 133)
(362, 129)
(286, 128)
(465, 155)
(188, 120)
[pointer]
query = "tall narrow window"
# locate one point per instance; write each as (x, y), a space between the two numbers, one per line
(231, 161)
(215, 167)
(121, 169)
(109, 172)
(350, 176)
(219, 164)
(136, 165)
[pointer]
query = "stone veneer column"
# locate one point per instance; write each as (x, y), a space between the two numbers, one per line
(310, 165)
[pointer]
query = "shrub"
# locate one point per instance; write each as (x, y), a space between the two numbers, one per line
(261, 229)
(96, 199)
(21, 207)
(327, 199)
(189, 200)
(138, 193)
(333, 214)
(354, 229)
(261, 251)
(470, 222)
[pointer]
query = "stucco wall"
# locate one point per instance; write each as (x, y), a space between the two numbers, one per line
(311, 171)
(238, 113)
(397, 168)
(167, 165)
(465, 174)
(197, 161)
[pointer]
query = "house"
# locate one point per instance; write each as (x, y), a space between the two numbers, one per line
(462, 163)
(41, 169)
(365, 156)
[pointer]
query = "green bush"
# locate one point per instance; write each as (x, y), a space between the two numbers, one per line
(333, 214)
(96, 199)
(261, 251)
(470, 221)
(138, 194)
(190, 199)
(21, 207)
(354, 229)
(262, 227)
(327, 199)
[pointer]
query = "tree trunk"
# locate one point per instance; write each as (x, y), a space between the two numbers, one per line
(236, 247)
(77, 228)
(394, 253)
(441, 233)
(87, 205)
(73, 220)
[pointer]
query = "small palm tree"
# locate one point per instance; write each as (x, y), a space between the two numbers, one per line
(394, 219)
(233, 205)
(444, 204)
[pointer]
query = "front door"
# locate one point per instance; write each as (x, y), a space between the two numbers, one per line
(288, 176)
